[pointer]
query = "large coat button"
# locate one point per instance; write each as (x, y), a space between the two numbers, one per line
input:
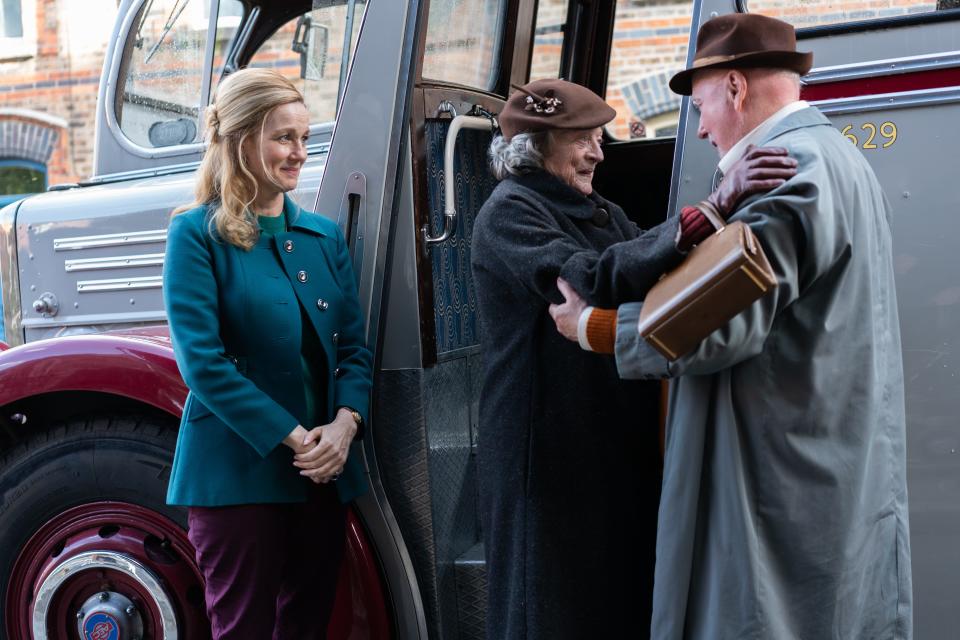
(302, 276)
(321, 303)
(336, 372)
(335, 338)
(288, 246)
(601, 217)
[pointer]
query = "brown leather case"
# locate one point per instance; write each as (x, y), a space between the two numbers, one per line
(721, 277)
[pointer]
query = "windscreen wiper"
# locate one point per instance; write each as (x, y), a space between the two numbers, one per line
(171, 20)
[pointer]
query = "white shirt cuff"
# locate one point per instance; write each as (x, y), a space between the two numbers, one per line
(582, 329)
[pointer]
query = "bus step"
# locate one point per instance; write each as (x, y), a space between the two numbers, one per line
(471, 576)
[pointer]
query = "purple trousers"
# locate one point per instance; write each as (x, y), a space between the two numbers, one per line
(270, 569)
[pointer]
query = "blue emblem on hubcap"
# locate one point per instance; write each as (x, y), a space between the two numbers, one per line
(101, 626)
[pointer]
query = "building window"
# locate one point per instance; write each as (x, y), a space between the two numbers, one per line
(18, 28)
(649, 46)
(21, 176)
(11, 22)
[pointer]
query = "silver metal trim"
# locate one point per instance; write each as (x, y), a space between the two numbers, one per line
(356, 186)
(109, 240)
(10, 276)
(97, 320)
(925, 97)
(322, 129)
(119, 284)
(94, 560)
(46, 305)
(207, 79)
(244, 36)
(114, 262)
(875, 68)
(448, 107)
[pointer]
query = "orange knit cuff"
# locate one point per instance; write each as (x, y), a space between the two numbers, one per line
(602, 330)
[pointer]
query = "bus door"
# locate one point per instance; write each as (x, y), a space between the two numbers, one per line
(365, 187)
(888, 77)
(428, 376)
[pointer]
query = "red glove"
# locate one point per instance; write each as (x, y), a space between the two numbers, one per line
(694, 228)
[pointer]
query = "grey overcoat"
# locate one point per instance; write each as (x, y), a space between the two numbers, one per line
(568, 459)
(784, 505)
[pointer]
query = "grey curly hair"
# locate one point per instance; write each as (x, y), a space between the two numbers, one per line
(521, 154)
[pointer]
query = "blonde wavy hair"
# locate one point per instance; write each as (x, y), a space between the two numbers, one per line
(238, 111)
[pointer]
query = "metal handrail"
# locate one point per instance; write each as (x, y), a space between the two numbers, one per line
(449, 193)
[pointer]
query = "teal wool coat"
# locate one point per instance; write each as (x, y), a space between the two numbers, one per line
(235, 320)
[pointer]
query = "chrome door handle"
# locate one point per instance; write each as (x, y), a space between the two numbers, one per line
(449, 193)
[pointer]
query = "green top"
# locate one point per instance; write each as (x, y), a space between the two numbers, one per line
(310, 347)
(272, 225)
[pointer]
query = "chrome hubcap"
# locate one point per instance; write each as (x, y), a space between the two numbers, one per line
(108, 615)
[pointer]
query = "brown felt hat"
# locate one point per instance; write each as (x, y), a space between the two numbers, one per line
(740, 40)
(553, 104)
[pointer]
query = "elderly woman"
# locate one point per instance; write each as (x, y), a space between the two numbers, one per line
(568, 458)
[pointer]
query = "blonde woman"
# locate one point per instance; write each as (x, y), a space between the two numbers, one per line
(268, 335)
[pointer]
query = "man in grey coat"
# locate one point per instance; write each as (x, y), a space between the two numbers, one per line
(784, 504)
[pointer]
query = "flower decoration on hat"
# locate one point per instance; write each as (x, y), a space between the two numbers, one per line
(546, 105)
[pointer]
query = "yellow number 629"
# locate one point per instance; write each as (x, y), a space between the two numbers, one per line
(888, 130)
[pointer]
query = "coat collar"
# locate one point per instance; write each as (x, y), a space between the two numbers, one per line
(759, 134)
(809, 117)
(570, 201)
(299, 219)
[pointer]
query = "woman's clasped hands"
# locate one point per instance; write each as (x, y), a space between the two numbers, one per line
(321, 452)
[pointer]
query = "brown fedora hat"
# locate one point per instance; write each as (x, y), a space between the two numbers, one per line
(553, 104)
(738, 40)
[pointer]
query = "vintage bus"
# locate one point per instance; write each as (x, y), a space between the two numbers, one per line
(404, 97)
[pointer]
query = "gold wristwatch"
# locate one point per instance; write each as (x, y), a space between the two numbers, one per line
(356, 416)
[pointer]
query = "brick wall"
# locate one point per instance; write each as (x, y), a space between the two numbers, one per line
(649, 45)
(60, 80)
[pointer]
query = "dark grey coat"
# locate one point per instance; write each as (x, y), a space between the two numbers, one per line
(568, 462)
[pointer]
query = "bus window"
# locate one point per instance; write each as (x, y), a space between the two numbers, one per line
(549, 30)
(310, 51)
(159, 105)
(649, 46)
(814, 13)
(463, 42)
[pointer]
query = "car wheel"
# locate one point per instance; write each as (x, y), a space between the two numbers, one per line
(87, 541)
